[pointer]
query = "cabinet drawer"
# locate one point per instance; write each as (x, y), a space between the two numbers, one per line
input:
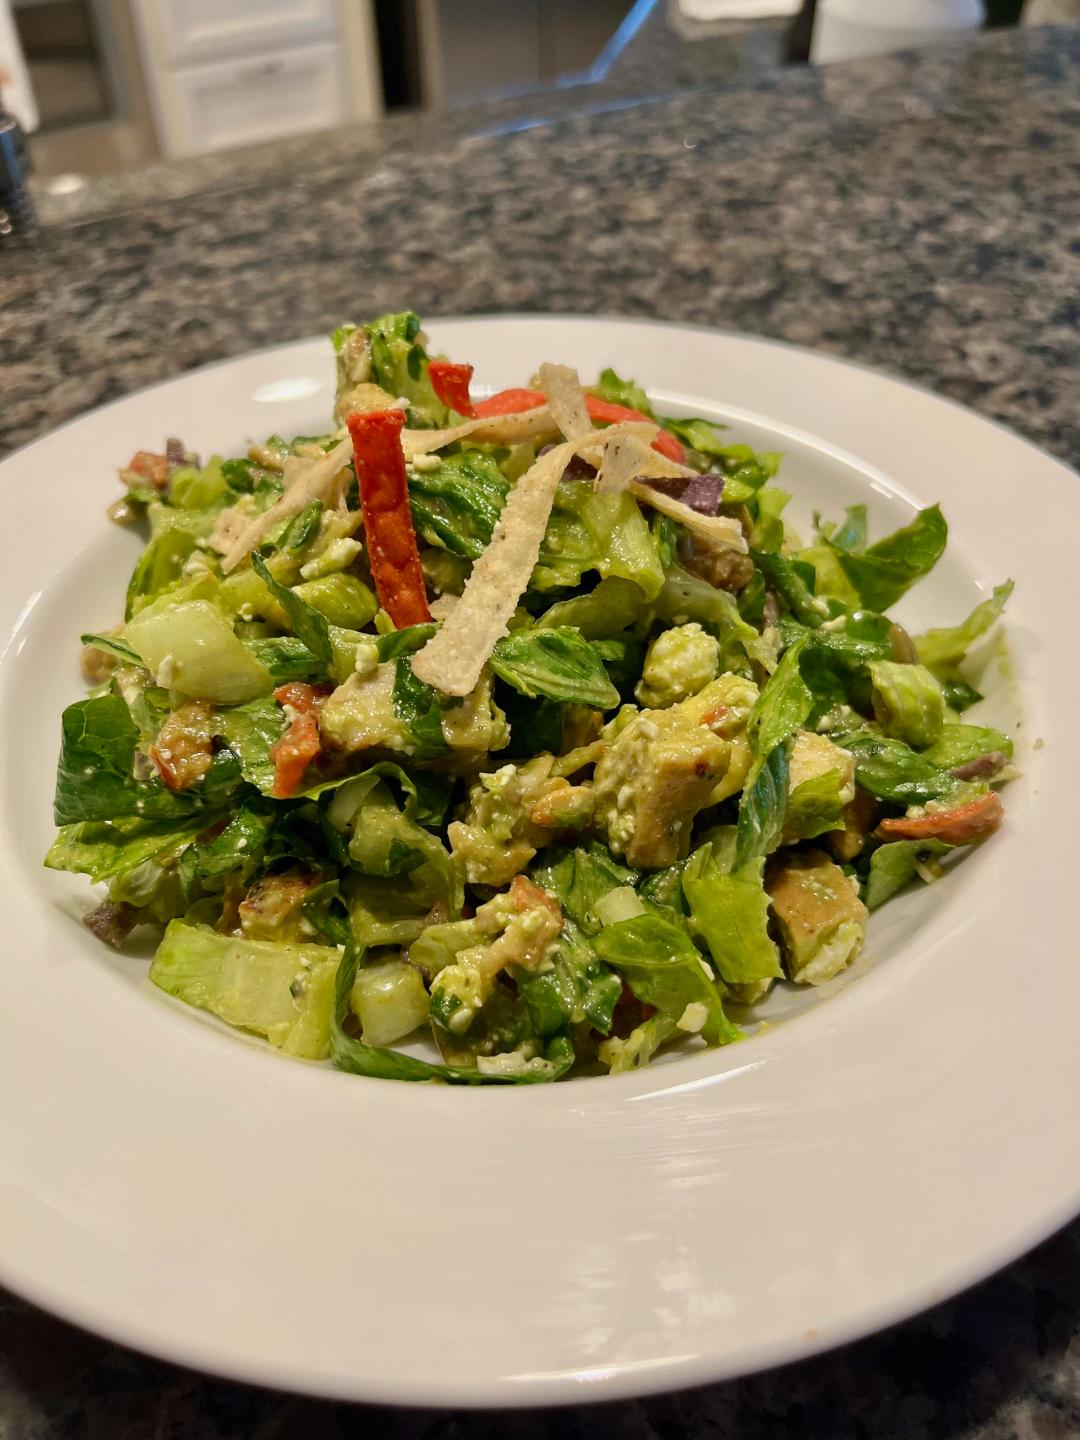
(245, 101)
(205, 29)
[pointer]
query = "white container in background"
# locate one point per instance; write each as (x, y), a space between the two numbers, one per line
(845, 29)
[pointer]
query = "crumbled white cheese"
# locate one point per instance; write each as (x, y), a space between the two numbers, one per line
(246, 611)
(367, 658)
(337, 555)
(166, 672)
(693, 1018)
(424, 463)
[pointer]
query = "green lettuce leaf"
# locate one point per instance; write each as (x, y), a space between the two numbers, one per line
(612, 387)
(95, 779)
(885, 571)
(286, 658)
(613, 606)
(605, 533)
(250, 731)
(792, 580)
(105, 848)
(960, 744)
(664, 969)
(458, 505)
(893, 771)
(763, 808)
(909, 703)
(579, 878)
(895, 865)
(941, 650)
(419, 708)
(284, 992)
(399, 364)
(814, 807)
(731, 909)
(114, 646)
(308, 625)
(557, 663)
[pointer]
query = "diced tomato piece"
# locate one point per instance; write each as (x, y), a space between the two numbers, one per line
(958, 826)
(182, 752)
(151, 467)
(301, 742)
(388, 527)
(451, 384)
(509, 402)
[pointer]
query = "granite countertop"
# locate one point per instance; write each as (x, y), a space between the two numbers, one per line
(916, 212)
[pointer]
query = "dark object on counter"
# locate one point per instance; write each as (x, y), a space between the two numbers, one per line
(795, 47)
(1003, 12)
(17, 217)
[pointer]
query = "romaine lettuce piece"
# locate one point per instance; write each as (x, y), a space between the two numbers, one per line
(389, 1000)
(909, 703)
(731, 910)
(557, 663)
(959, 745)
(895, 865)
(95, 774)
(343, 599)
(886, 570)
(191, 648)
(457, 505)
(666, 970)
(285, 992)
(103, 849)
(942, 650)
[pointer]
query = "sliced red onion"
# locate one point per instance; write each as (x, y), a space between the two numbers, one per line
(982, 767)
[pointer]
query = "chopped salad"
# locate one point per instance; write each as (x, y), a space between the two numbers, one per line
(524, 724)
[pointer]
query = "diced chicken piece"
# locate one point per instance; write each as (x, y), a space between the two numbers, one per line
(182, 752)
(724, 707)
(360, 715)
(518, 928)
(96, 665)
(813, 755)
(271, 909)
(660, 771)
(821, 920)
(859, 817)
(497, 836)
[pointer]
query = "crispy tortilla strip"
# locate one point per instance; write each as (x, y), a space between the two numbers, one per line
(494, 430)
(566, 399)
(306, 480)
(453, 659)
(721, 531)
(633, 458)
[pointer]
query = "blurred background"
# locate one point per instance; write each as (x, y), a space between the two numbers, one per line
(101, 86)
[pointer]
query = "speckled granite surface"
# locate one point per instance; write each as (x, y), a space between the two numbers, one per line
(918, 213)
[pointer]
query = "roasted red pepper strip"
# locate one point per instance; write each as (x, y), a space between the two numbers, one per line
(388, 527)
(510, 402)
(300, 744)
(958, 826)
(451, 384)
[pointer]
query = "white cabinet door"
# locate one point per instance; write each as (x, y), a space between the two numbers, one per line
(205, 29)
(244, 101)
